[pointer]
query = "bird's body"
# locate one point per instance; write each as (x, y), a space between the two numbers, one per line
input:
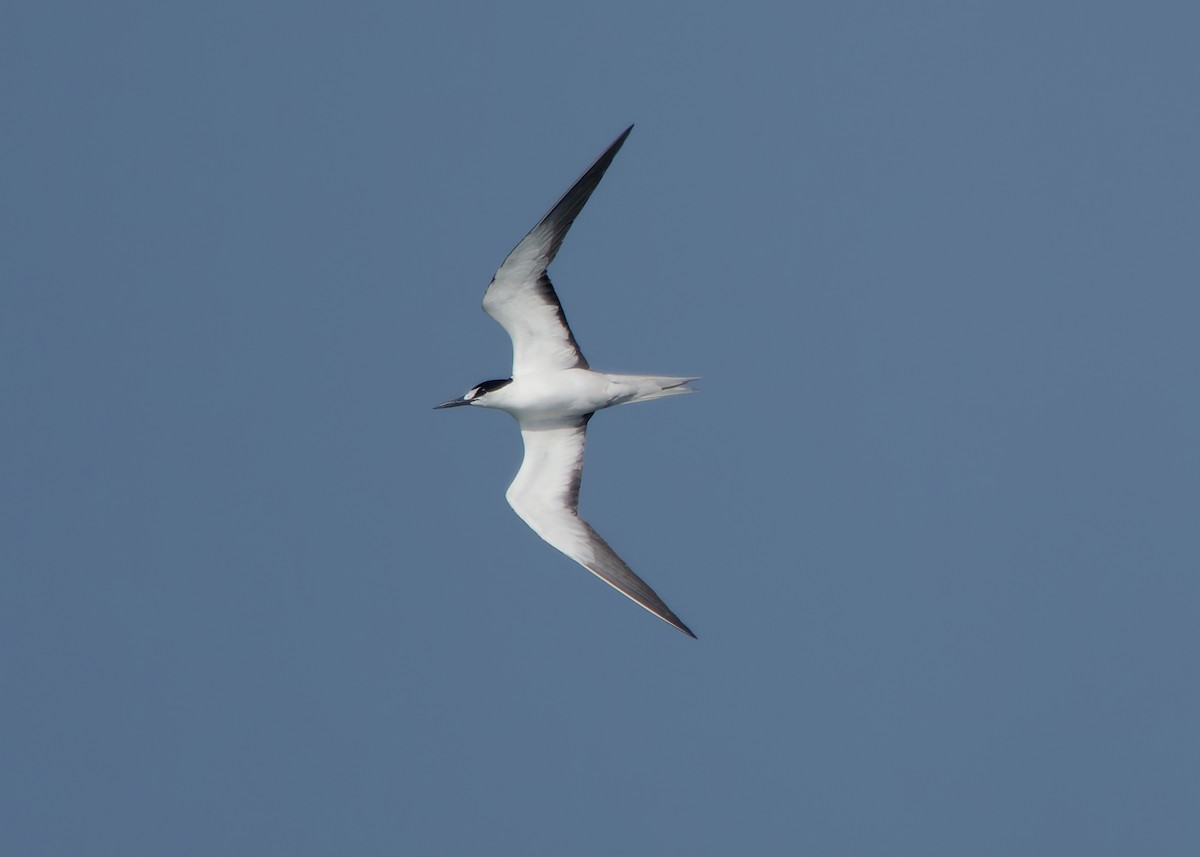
(553, 392)
(535, 396)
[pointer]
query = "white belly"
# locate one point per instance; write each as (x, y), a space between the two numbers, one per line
(570, 392)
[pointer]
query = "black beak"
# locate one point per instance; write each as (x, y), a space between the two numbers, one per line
(453, 403)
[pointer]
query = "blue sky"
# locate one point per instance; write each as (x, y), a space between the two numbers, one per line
(933, 516)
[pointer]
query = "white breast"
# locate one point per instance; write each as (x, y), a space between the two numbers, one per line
(571, 392)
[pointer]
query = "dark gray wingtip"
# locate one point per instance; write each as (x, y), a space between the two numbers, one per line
(684, 628)
(610, 568)
(637, 590)
(655, 605)
(560, 218)
(662, 611)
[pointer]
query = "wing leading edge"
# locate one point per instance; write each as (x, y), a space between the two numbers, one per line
(545, 494)
(521, 297)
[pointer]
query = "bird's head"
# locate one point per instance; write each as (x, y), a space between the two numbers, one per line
(477, 395)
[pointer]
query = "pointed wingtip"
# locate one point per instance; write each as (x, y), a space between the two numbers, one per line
(614, 147)
(674, 620)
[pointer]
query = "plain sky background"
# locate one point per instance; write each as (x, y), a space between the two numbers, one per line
(935, 516)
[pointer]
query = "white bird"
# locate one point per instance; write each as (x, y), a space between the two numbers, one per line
(553, 393)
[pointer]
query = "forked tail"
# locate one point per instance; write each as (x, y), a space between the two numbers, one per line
(645, 387)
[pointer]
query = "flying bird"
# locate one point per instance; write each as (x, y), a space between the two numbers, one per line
(553, 392)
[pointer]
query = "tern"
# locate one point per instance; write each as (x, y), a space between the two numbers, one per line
(553, 393)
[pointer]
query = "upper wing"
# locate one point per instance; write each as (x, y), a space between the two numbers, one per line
(521, 297)
(546, 496)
